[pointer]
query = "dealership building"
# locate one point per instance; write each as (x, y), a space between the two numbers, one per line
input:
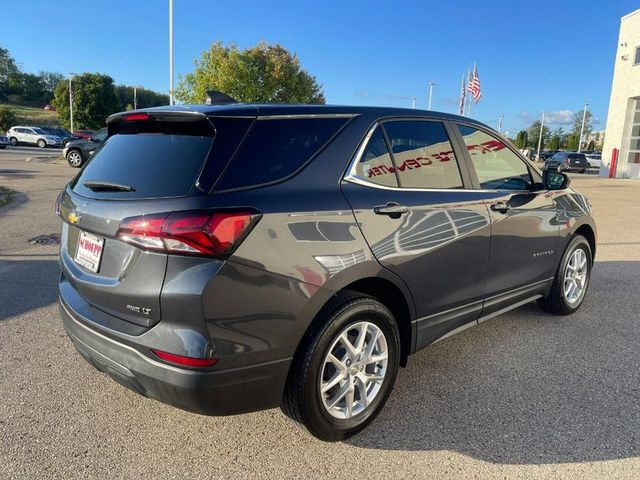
(623, 119)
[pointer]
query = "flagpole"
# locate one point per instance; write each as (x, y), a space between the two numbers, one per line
(470, 97)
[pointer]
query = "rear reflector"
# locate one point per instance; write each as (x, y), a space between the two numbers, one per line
(185, 361)
(195, 232)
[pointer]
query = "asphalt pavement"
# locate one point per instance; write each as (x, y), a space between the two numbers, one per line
(525, 395)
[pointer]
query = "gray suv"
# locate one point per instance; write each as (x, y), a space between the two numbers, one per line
(227, 259)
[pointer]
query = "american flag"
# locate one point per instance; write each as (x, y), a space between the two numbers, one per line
(474, 85)
(463, 95)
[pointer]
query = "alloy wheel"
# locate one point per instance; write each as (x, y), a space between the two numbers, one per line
(74, 158)
(576, 276)
(353, 370)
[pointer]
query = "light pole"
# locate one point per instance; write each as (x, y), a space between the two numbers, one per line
(500, 124)
(584, 117)
(70, 103)
(135, 97)
(540, 137)
(170, 52)
(413, 102)
(431, 85)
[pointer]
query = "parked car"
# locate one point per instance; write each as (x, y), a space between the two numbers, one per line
(49, 108)
(544, 156)
(78, 151)
(227, 259)
(65, 135)
(33, 135)
(84, 134)
(594, 159)
(567, 162)
(4, 142)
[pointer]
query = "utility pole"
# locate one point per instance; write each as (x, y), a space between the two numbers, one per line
(135, 98)
(500, 124)
(584, 117)
(431, 85)
(170, 52)
(413, 102)
(540, 137)
(70, 103)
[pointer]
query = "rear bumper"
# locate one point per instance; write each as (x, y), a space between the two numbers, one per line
(225, 392)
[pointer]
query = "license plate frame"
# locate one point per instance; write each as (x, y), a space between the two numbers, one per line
(89, 251)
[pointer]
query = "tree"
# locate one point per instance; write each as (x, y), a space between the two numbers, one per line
(534, 135)
(521, 140)
(8, 73)
(8, 67)
(262, 74)
(145, 98)
(7, 118)
(557, 136)
(572, 141)
(94, 99)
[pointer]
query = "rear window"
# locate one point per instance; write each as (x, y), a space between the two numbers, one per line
(153, 164)
(277, 148)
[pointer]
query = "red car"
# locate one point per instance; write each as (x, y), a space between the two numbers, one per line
(86, 134)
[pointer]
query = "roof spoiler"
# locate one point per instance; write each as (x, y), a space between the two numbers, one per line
(214, 97)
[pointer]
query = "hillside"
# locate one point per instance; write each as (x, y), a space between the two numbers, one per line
(34, 116)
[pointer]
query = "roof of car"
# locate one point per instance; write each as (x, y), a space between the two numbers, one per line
(257, 109)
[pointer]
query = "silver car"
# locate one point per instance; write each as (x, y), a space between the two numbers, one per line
(34, 136)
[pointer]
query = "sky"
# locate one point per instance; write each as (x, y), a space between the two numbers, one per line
(537, 56)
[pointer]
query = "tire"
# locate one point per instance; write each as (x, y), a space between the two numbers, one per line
(74, 157)
(584, 170)
(303, 402)
(13, 141)
(556, 300)
(41, 143)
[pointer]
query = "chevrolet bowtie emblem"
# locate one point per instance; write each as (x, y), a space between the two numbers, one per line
(73, 217)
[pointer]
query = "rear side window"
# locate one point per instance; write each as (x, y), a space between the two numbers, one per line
(423, 155)
(277, 148)
(155, 159)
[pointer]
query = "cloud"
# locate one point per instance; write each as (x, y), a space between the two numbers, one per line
(559, 117)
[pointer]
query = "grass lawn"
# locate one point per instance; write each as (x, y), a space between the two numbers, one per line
(34, 116)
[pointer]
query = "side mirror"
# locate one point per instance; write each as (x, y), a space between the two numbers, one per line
(553, 180)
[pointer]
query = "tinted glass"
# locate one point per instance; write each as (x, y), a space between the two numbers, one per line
(423, 154)
(495, 164)
(375, 165)
(637, 59)
(155, 165)
(277, 148)
(100, 135)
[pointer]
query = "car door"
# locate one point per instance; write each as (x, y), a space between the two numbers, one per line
(30, 136)
(408, 191)
(524, 220)
(20, 134)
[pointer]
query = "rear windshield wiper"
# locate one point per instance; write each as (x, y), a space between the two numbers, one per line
(99, 186)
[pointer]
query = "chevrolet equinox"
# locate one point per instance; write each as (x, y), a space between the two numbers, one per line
(230, 258)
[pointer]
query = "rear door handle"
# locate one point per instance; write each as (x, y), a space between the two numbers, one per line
(392, 209)
(501, 207)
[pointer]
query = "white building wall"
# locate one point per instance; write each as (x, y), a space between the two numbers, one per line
(625, 88)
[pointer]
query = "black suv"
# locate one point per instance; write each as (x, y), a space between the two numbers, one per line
(226, 259)
(567, 162)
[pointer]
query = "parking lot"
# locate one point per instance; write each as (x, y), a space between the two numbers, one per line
(526, 395)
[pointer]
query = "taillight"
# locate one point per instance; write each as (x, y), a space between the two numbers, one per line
(196, 232)
(135, 117)
(185, 361)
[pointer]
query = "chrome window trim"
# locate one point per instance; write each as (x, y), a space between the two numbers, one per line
(306, 116)
(351, 176)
